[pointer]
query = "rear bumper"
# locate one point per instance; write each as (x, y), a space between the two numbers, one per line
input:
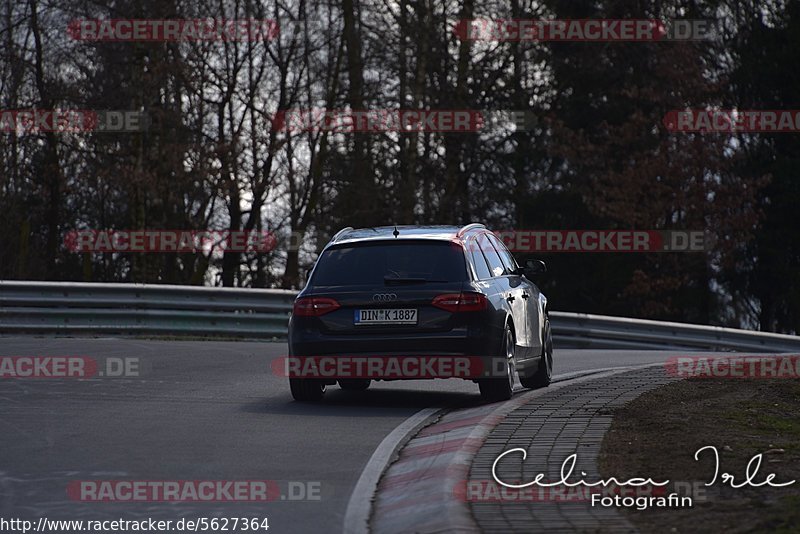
(453, 343)
(471, 335)
(468, 352)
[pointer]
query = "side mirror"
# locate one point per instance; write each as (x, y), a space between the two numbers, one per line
(534, 267)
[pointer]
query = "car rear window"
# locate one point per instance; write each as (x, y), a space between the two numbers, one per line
(369, 263)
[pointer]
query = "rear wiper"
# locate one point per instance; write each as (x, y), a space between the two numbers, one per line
(398, 280)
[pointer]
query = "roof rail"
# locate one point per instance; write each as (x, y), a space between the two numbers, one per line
(338, 234)
(469, 227)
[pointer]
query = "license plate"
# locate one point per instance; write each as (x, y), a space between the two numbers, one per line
(386, 316)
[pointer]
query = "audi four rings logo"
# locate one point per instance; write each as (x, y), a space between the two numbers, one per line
(384, 297)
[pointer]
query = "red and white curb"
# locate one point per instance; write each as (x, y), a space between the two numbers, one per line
(434, 451)
(359, 507)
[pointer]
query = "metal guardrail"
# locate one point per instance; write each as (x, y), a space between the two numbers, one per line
(580, 330)
(69, 308)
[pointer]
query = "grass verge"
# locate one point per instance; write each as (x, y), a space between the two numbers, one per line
(656, 436)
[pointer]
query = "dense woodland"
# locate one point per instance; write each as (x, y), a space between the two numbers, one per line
(598, 157)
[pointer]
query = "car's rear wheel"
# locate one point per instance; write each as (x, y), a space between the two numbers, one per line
(354, 384)
(500, 389)
(544, 373)
(307, 389)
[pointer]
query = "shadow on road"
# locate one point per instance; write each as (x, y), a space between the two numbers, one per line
(370, 403)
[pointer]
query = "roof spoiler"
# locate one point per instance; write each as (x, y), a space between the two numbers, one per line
(469, 227)
(339, 234)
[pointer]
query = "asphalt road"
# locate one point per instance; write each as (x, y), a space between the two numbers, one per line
(205, 410)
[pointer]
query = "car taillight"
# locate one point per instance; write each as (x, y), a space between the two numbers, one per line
(314, 306)
(461, 302)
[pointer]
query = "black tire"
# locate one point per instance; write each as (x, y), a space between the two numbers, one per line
(307, 389)
(544, 373)
(500, 389)
(354, 384)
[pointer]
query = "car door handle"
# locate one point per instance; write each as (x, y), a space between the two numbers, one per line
(525, 295)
